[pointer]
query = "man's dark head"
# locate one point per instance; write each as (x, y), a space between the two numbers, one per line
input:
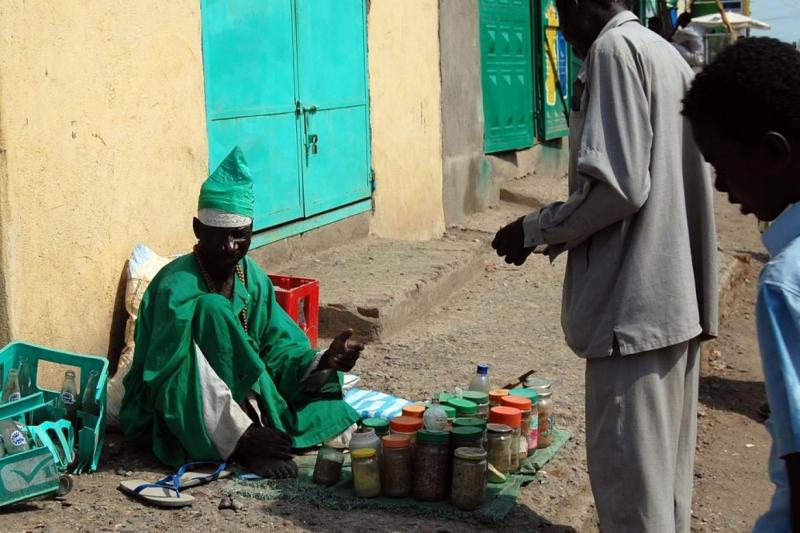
(222, 248)
(684, 19)
(581, 21)
(655, 24)
(745, 113)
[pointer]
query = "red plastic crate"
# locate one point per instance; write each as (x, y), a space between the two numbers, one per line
(299, 297)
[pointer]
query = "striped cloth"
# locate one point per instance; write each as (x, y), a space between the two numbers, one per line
(371, 404)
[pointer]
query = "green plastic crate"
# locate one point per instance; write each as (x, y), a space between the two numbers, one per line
(91, 436)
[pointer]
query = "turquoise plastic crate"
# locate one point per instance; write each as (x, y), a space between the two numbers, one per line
(91, 436)
(41, 470)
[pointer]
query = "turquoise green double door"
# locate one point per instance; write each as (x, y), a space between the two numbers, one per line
(286, 80)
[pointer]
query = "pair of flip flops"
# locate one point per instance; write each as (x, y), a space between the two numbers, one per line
(166, 492)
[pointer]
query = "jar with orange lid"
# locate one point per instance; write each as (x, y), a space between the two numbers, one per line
(405, 425)
(415, 410)
(533, 396)
(511, 417)
(524, 406)
(396, 466)
(495, 395)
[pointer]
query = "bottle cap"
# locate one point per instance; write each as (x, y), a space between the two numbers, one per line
(480, 398)
(498, 428)
(469, 421)
(363, 453)
(380, 425)
(483, 369)
(463, 407)
(520, 402)
(444, 396)
(466, 434)
(406, 424)
(433, 437)
(396, 441)
(506, 415)
(450, 410)
(416, 410)
(470, 454)
(538, 384)
(496, 394)
(531, 394)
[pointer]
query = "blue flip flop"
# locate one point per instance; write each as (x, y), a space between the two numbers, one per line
(189, 475)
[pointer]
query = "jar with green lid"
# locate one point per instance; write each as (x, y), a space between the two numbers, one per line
(533, 435)
(366, 473)
(328, 468)
(380, 425)
(469, 478)
(444, 396)
(466, 437)
(499, 437)
(471, 421)
(431, 481)
(463, 407)
(481, 400)
(396, 466)
(451, 413)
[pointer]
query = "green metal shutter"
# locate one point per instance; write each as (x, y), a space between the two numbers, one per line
(505, 36)
(552, 73)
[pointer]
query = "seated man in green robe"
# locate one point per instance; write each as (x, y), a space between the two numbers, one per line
(220, 371)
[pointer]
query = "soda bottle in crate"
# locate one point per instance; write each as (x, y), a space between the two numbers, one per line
(11, 392)
(14, 438)
(68, 398)
(89, 399)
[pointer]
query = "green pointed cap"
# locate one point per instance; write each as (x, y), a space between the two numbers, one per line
(230, 187)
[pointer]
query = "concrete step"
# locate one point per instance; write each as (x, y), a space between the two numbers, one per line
(378, 287)
(534, 190)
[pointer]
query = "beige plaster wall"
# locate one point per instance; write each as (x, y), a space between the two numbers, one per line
(102, 129)
(405, 104)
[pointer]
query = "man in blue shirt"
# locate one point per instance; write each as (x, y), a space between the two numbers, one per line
(745, 114)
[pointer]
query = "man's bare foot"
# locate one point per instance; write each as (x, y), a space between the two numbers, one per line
(271, 468)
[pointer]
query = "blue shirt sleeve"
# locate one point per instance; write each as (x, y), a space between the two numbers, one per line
(778, 319)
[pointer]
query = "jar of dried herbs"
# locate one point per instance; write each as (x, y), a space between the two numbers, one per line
(431, 481)
(396, 466)
(499, 436)
(366, 473)
(328, 468)
(469, 478)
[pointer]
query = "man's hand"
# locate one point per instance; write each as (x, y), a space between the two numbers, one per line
(342, 354)
(510, 243)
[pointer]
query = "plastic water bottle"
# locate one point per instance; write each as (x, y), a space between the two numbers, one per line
(68, 398)
(89, 402)
(14, 440)
(480, 381)
(11, 391)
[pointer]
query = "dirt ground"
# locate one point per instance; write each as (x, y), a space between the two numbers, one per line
(510, 318)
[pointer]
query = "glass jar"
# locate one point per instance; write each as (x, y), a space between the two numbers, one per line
(533, 396)
(471, 421)
(469, 478)
(328, 468)
(495, 395)
(499, 437)
(524, 406)
(481, 401)
(405, 425)
(380, 425)
(396, 466)
(365, 437)
(431, 466)
(463, 407)
(466, 437)
(512, 418)
(547, 419)
(366, 474)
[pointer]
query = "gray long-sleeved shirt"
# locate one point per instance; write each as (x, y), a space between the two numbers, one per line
(639, 220)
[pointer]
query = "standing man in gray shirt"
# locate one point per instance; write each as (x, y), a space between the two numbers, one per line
(641, 279)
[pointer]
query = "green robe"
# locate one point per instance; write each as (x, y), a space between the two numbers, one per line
(163, 404)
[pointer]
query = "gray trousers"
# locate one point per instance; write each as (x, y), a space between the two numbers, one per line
(641, 429)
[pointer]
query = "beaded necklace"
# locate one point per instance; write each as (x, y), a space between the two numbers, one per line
(213, 286)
